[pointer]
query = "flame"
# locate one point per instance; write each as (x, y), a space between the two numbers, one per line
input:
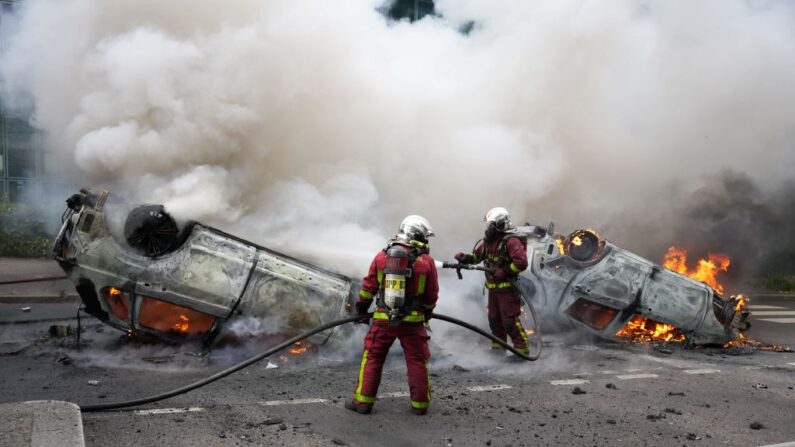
(114, 291)
(577, 241)
(561, 247)
(641, 329)
(742, 303)
(529, 331)
(706, 271)
(298, 348)
(183, 325)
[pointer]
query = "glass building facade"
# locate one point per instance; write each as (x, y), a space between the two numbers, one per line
(21, 155)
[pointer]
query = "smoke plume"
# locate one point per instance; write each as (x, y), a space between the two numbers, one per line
(316, 126)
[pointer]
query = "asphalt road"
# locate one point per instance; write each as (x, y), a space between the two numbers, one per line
(773, 318)
(659, 397)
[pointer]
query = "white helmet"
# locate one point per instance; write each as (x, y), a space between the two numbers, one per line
(417, 228)
(500, 217)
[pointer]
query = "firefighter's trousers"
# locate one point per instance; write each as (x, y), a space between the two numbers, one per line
(504, 311)
(414, 340)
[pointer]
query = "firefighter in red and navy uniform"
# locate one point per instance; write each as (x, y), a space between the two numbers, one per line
(403, 283)
(505, 253)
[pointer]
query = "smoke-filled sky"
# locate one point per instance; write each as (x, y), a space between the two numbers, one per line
(317, 125)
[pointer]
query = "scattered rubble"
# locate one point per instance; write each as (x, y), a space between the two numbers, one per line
(672, 411)
(461, 369)
(693, 437)
(60, 331)
(757, 426)
(611, 386)
(759, 386)
(93, 382)
(26, 309)
(578, 390)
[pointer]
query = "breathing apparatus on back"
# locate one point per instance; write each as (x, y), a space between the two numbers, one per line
(410, 242)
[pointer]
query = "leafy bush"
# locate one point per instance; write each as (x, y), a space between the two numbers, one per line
(22, 231)
(777, 282)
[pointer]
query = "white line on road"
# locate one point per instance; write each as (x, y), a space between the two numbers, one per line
(773, 313)
(784, 444)
(636, 376)
(764, 306)
(395, 394)
(778, 320)
(271, 403)
(501, 386)
(569, 382)
(701, 371)
(791, 363)
(167, 411)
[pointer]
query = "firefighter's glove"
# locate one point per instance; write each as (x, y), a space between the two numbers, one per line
(361, 309)
(464, 258)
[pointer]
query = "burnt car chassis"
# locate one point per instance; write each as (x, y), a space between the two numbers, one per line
(139, 271)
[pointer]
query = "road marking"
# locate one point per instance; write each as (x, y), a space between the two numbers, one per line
(395, 394)
(778, 320)
(607, 372)
(271, 403)
(773, 313)
(167, 411)
(569, 382)
(701, 371)
(791, 363)
(636, 376)
(783, 444)
(764, 306)
(478, 389)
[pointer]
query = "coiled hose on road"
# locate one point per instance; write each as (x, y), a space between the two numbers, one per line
(287, 343)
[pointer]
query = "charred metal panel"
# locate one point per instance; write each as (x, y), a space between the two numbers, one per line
(293, 294)
(207, 273)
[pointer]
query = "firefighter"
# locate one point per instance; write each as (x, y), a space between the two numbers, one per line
(403, 282)
(504, 252)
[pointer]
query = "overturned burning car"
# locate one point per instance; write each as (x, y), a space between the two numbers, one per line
(137, 270)
(587, 281)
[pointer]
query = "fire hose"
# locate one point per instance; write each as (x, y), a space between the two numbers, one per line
(285, 344)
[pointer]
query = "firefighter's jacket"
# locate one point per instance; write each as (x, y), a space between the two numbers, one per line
(507, 255)
(423, 286)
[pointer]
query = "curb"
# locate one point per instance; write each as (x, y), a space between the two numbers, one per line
(41, 423)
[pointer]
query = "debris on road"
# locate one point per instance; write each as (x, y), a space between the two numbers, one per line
(60, 331)
(757, 426)
(93, 382)
(611, 386)
(26, 309)
(578, 390)
(759, 386)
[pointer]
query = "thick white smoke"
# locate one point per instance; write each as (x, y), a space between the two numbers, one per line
(316, 126)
